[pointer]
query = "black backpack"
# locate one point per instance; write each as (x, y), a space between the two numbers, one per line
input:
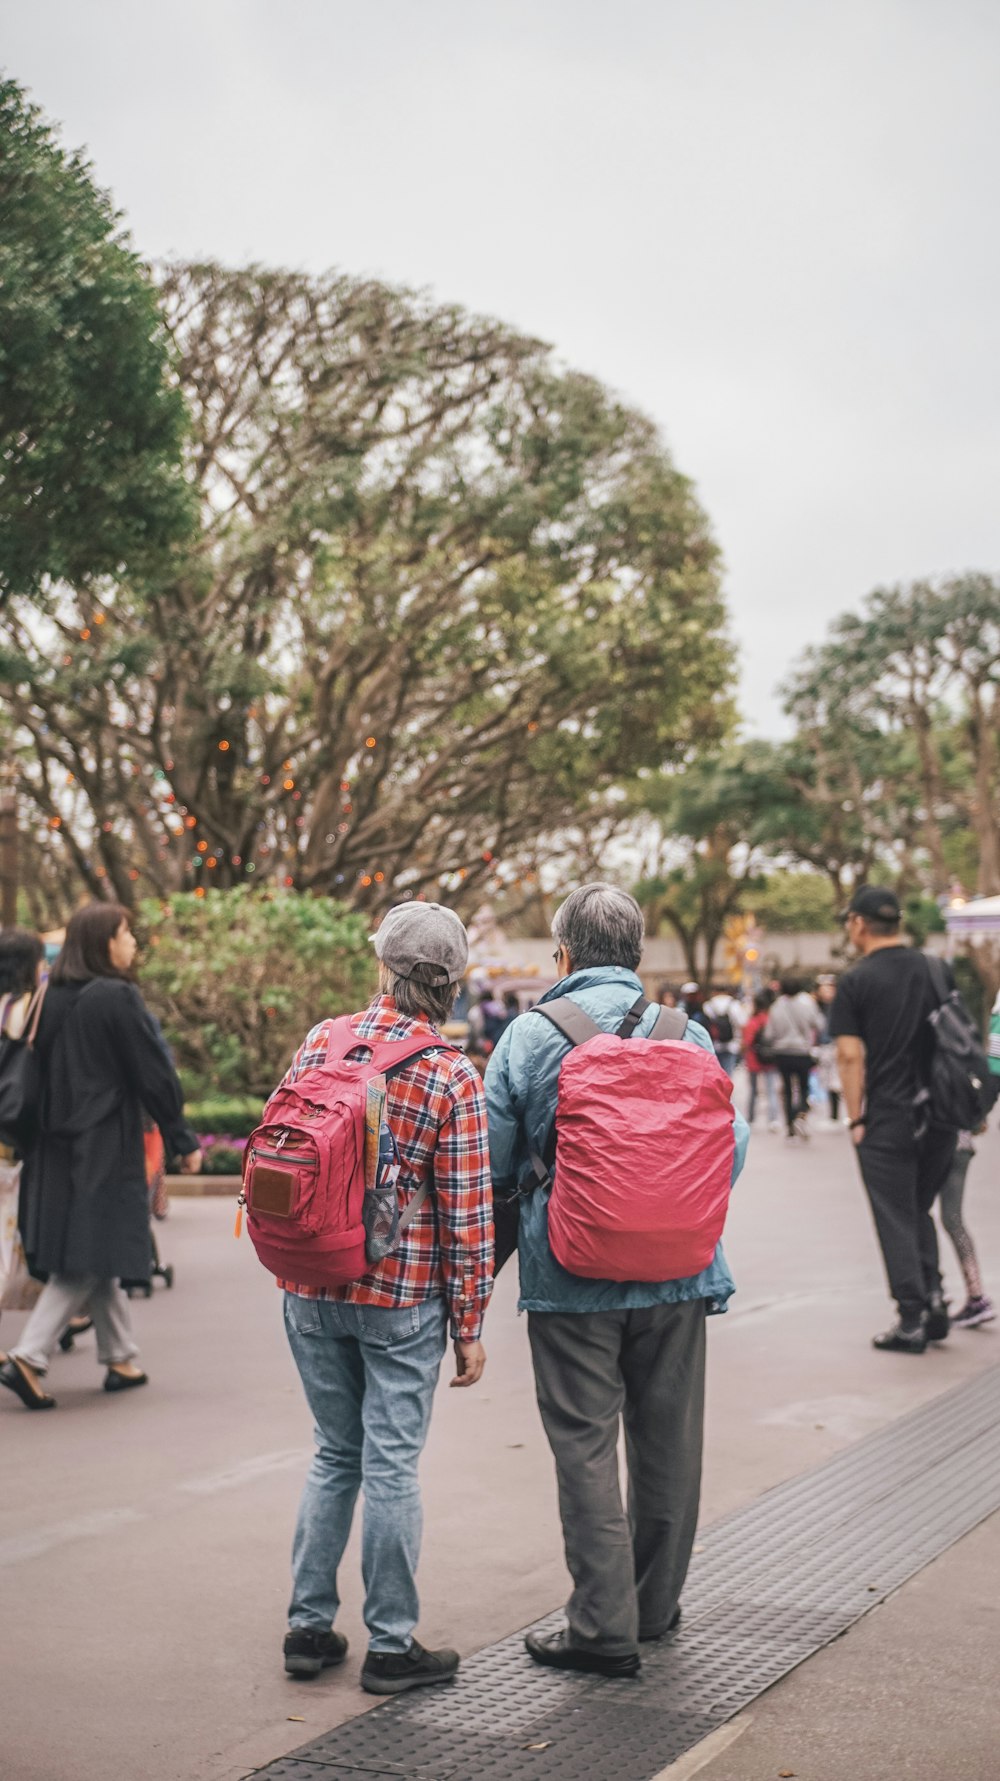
(720, 1028)
(959, 1090)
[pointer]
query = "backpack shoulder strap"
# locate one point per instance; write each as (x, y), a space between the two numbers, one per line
(570, 1019)
(671, 1023)
(938, 977)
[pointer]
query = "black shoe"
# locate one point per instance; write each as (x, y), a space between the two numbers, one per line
(393, 1672)
(937, 1323)
(123, 1381)
(307, 1652)
(671, 1627)
(902, 1339)
(555, 1650)
(17, 1381)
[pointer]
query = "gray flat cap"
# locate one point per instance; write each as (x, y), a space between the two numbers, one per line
(423, 941)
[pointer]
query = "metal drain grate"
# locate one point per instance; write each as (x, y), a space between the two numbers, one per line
(773, 1583)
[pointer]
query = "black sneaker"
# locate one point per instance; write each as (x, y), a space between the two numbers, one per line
(307, 1651)
(902, 1339)
(937, 1323)
(393, 1672)
(555, 1650)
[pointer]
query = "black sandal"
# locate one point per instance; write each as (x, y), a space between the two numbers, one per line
(13, 1376)
(123, 1381)
(77, 1326)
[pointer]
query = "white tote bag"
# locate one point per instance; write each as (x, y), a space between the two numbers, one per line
(18, 1292)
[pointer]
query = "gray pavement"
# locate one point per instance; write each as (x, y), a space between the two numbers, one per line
(144, 1540)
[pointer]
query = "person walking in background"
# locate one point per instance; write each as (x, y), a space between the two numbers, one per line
(607, 1351)
(21, 956)
(880, 1022)
(84, 1214)
(977, 1308)
(791, 1029)
(760, 1069)
(369, 1352)
(826, 1067)
(722, 1017)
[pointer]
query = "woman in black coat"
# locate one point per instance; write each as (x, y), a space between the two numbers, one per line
(84, 1211)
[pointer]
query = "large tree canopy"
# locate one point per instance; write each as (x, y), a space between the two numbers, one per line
(91, 424)
(445, 595)
(898, 745)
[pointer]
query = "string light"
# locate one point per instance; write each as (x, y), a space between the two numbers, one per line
(224, 747)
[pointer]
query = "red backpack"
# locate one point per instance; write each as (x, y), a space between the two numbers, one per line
(304, 1166)
(642, 1147)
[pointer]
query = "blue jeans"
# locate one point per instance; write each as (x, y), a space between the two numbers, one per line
(369, 1376)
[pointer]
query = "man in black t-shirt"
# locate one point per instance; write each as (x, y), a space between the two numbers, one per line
(879, 1020)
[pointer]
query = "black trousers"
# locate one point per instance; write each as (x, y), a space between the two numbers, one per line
(903, 1176)
(795, 1068)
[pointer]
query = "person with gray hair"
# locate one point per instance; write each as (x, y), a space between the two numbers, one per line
(606, 1351)
(369, 1353)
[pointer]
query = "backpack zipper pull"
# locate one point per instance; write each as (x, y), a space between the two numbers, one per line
(240, 1203)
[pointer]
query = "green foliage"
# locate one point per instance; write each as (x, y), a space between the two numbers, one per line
(238, 979)
(922, 917)
(715, 818)
(793, 903)
(897, 751)
(91, 424)
(415, 529)
(234, 1115)
(222, 1159)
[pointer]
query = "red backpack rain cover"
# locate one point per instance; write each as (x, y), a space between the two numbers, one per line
(644, 1150)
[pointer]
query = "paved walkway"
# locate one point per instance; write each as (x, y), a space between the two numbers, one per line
(144, 1541)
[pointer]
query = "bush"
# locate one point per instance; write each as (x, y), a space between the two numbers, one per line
(234, 1115)
(238, 977)
(221, 1159)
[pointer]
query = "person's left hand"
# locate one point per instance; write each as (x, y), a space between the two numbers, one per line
(470, 1359)
(858, 1134)
(191, 1164)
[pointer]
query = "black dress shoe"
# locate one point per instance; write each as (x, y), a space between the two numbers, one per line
(671, 1627)
(17, 1381)
(902, 1340)
(123, 1381)
(555, 1650)
(937, 1323)
(308, 1651)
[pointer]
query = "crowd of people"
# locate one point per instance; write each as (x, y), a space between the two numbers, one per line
(601, 1135)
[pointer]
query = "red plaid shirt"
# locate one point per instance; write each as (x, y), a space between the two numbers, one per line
(437, 1111)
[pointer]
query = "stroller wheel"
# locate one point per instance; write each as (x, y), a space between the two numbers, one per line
(168, 1276)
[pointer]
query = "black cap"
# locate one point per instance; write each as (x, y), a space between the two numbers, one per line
(874, 903)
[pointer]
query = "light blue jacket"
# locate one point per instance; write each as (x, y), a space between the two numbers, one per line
(521, 1083)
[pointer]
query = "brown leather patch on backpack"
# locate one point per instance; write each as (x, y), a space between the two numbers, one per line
(272, 1191)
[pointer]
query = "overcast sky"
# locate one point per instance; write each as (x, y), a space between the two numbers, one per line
(772, 224)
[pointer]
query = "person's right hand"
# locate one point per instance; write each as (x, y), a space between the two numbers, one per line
(191, 1164)
(470, 1359)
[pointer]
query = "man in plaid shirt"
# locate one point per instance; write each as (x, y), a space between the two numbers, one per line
(369, 1353)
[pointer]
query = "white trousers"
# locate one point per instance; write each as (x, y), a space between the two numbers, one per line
(61, 1299)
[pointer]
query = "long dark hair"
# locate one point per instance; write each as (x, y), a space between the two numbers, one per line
(20, 956)
(85, 948)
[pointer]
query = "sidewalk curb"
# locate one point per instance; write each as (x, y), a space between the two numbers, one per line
(201, 1187)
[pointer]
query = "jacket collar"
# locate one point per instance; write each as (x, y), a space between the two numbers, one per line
(594, 977)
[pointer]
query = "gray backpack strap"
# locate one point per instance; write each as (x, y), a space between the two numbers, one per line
(570, 1019)
(409, 1212)
(671, 1023)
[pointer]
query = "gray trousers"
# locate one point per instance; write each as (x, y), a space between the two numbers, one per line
(61, 1299)
(646, 1369)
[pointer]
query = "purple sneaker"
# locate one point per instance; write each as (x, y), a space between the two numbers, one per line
(974, 1312)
